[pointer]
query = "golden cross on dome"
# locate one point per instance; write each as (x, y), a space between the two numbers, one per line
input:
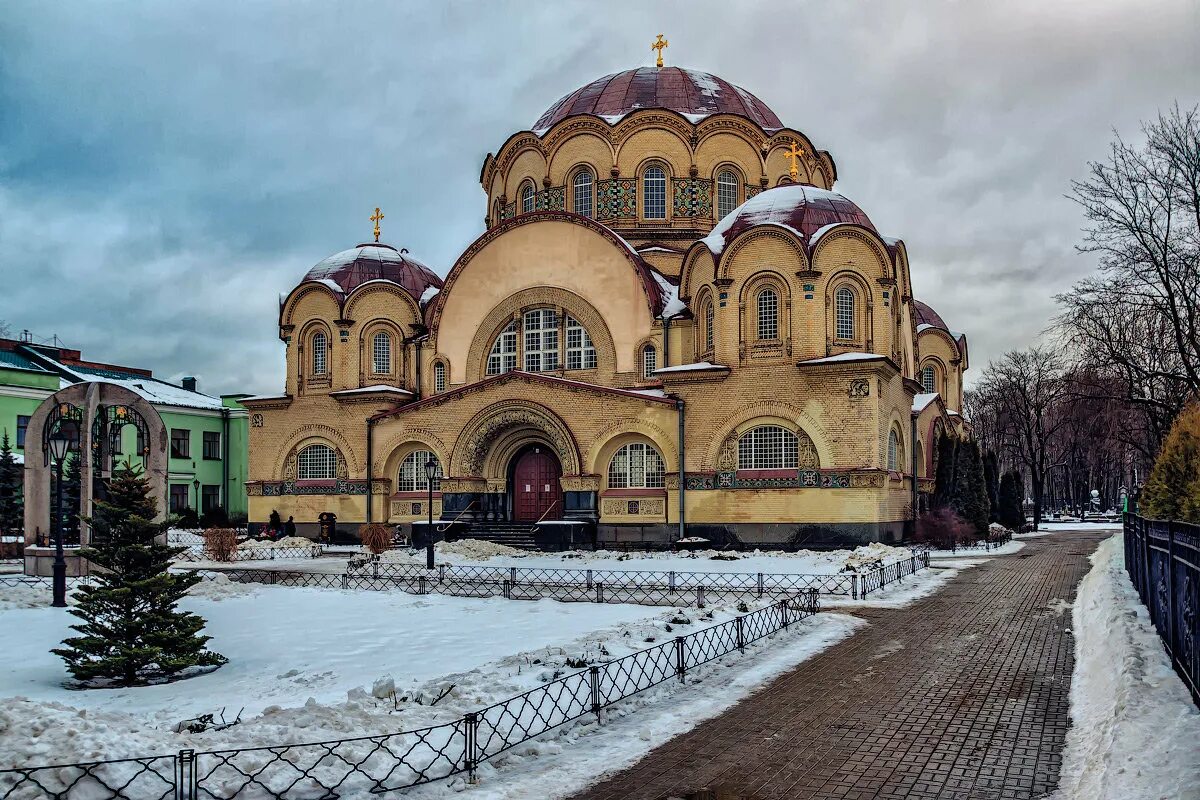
(793, 153)
(660, 45)
(375, 218)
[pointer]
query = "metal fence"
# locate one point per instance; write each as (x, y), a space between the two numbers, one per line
(264, 552)
(1163, 561)
(385, 763)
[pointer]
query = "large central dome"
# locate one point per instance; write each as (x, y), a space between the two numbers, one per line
(694, 94)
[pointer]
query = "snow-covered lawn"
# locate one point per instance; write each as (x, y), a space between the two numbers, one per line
(1055, 527)
(1135, 734)
(1006, 549)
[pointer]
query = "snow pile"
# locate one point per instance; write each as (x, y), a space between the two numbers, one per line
(29, 595)
(995, 529)
(217, 586)
(476, 549)
(874, 555)
(1135, 734)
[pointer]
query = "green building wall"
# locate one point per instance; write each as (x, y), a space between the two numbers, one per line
(21, 392)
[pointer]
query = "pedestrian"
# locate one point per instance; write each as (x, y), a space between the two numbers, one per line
(289, 528)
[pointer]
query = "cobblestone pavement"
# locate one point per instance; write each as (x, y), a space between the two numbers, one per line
(962, 695)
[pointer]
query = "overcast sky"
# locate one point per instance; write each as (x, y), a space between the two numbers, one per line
(168, 169)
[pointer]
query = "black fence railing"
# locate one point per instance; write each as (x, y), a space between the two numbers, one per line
(263, 552)
(1163, 561)
(377, 764)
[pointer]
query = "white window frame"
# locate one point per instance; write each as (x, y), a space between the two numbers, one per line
(929, 378)
(381, 353)
(637, 465)
(768, 447)
(503, 355)
(411, 477)
(844, 309)
(582, 194)
(709, 318)
(320, 353)
(541, 352)
(316, 462)
(727, 194)
(581, 351)
(528, 198)
(893, 451)
(654, 192)
(439, 377)
(649, 361)
(767, 303)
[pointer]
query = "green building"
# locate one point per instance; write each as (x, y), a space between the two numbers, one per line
(206, 436)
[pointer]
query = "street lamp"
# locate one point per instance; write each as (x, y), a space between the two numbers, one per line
(196, 495)
(61, 443)
(430, 473)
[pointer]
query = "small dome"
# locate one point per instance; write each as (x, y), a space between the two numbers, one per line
(694, 94)
(374, 261)
(927, 316)
(803, 209)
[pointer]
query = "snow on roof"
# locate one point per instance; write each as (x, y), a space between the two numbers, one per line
(649, 392)
(672, 305)
(429, 293)
(657, 249)
(378, 387)
(820, 232)
(773, 207)
(922, 400)
(694, 367)
(330, 283)
(843, 357)
(924, 326)
(153, 390)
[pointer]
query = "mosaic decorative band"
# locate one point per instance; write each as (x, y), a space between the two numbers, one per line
(803, 479)
(692, 197)
(280, 488)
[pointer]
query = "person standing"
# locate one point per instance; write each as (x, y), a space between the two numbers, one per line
(289, 528)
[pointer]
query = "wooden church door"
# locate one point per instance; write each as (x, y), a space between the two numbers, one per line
(536, 487)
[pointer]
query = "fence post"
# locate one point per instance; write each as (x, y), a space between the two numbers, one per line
(441, 573)
(421, 589)
(594, 679)
(599, 592)
(1171, 643)
(589, 579)
(1145, 545)
(507, 590)
(470, 754)
(185, 775)
(345, 581)
(699, 597)
(741, 635)
(512, 574)
(680, 664)
(760, 584)
(671, 580)
(854, 586)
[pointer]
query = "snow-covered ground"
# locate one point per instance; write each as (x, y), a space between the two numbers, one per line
(1006, 549)
(1135, 734)
(1055, 527)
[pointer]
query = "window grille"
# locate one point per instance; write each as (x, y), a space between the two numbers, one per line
(581, 353)
(527, 198)
(708, 326)
(649, 362)
(316, 462)
(181, 443)
(212, 445)
(412, 472)
(927, 380)
(320, 348)
(768, 314)
(654, 193)
(767, 447)
(439, 377)
(381, 353)
(636, 466)
(503, 357)
(541, 340)
(844, 307)
(893, 453)
(582, 193)
(727, 194)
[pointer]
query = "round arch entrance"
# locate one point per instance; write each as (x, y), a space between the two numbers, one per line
(535, 484)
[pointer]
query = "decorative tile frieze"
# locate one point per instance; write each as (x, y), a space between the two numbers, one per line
(692, 197)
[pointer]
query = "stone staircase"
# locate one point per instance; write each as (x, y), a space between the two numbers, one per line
(512, 534)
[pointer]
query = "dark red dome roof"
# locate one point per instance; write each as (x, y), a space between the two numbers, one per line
(803, 209)
(927, 316)
(693, 94)
(374, 261)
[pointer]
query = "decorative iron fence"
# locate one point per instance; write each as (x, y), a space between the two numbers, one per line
(252, 552)
(377, 764)
(1163, 561)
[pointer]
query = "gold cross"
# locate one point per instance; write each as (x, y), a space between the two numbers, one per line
(659, 45)
(375, 218)
(793, 153)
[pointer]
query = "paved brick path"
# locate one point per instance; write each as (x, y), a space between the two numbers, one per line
(961, 695)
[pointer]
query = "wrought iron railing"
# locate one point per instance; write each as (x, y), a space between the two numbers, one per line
(1163, 561)
(264, 552)
(383, 763)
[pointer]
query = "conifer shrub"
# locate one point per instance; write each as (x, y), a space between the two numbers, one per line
(12, 505)
(1011, 513)
(1173, 489)
(943, 529)
(375, 537)
(220, 544)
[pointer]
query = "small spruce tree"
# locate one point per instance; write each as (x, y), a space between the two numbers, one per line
(969, 499)
(944, 480)
(72, 494)
(12, 505)
(1011, 513)
(991, 477)
(1173, 489)
(131, 631)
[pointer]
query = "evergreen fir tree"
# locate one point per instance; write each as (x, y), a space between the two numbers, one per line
(132, 633)
(1173, 489)
(944, 482)
(1011, 513)
(991, 477)
(12, 504)
(72, 496)
(970, 490)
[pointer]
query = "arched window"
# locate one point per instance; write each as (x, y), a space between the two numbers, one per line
(708, 326)
(412, 472)
(893, 451)
(636, 466)
(381, 353)
(581, 353)
(767, 447)
(503, 357)
(320, 350)
(654, 193)
(727, 194)
(768, 314)
(316, 462)
(927, 379)
(541, 340)
(439, 377)
(527, 198)
(581, 193)
(843, 301)
(649, 361)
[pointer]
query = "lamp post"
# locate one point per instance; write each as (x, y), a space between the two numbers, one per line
(430, 473)
(196, 496)
(61, 443)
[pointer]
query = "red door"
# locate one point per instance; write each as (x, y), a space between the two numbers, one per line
(536, 488)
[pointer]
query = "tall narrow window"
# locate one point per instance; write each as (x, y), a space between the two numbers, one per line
(412, 476)
(927, 381)
(767, 447)
(649, 362)
(439, 377)
(581, 353)
(503, 357)
(541, 340)
(636, 466)
(893, 452)
(708, 327)
(844, 310)
(768, 314)
(654, 193)
(527, 198)
(581, 193)
(316, 462)
(381, 353)
(727, 194)
(320, 349)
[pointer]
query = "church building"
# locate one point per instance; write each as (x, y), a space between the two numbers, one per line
(672, 325)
